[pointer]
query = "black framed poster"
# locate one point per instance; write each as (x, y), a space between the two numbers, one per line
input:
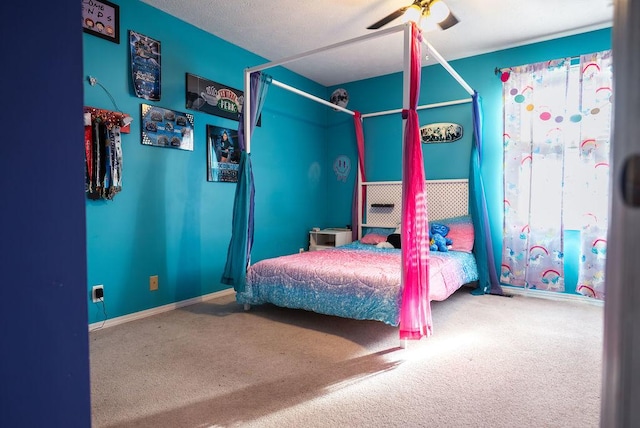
(223, 154)
(214, 98)
(101, 18)
(163, 127)
(145, 66)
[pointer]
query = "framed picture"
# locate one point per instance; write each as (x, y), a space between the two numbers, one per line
(162, 127)
(101, 18)
(145, 66)
(223, 154)
(214, 98)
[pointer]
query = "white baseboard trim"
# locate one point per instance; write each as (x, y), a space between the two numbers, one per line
(160, 309)
(550, 295)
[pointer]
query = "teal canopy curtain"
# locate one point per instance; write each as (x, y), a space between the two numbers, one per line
(488, 281)
(239, 251)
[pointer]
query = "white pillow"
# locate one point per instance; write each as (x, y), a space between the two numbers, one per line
(384, 244)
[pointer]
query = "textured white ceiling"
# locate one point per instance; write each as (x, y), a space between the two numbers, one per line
(280, 28)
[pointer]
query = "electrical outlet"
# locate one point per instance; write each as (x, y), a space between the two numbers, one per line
(97, 293)
(153, 283)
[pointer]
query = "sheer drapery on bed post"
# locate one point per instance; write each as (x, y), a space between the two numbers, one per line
(360, 178)
(415, 312)
(483, 249)
(239, 251)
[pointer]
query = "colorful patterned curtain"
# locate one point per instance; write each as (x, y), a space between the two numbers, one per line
(239, 251)
(557, 133)
(535, 124)
(415, 312)
(595, 139)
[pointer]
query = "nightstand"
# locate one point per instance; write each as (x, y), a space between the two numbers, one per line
(328, 238)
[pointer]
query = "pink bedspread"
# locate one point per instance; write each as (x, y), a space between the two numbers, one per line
(355, 281)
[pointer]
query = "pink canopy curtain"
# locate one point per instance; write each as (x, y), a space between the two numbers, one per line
(415, 313)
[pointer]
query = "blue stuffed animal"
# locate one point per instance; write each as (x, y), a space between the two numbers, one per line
(438, 240)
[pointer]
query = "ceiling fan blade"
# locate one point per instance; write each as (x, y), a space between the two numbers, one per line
(387, 19)
(448, 22)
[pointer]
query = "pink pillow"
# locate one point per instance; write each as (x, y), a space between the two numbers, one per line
(461, 233)
(373, 238)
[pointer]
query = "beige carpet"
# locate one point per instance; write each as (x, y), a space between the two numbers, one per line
(493, 362)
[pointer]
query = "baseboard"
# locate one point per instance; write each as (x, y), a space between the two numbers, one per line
(550, 295)
(160, 309)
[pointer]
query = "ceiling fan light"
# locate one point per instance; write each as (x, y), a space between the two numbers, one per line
(427, 23)
(413, 13)
(439, 11)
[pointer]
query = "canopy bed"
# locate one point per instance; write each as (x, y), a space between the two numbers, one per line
(394, 285)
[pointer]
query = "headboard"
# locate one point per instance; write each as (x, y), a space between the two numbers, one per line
(383, 204)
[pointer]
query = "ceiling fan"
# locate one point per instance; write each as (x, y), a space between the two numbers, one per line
(429, 14)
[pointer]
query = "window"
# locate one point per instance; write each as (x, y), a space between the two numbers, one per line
(557, 127)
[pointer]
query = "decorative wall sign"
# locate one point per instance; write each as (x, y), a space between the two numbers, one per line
(101, 18)
(166, 128)
(223, 154)
(214, 98)
(145, 66)
(441, 133)
(342, 167)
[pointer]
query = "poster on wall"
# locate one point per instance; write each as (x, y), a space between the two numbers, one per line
(166, 128)
(223, 154)
(145, 66)
(102, 19)
(213, 98)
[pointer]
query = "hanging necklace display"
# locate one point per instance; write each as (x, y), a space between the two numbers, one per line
(115, 163)
(103, 153)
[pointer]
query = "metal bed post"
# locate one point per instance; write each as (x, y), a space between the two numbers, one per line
(247, 111)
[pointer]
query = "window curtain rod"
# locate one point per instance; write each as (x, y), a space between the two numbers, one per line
(499, 70)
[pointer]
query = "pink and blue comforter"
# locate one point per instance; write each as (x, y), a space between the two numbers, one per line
(353, 281)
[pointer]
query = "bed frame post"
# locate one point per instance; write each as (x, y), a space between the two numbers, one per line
(247, 111)
(406, 89)
(359, 202)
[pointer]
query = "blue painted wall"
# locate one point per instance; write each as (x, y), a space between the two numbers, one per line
(168, 220)
(44, 362)
(383, 134)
